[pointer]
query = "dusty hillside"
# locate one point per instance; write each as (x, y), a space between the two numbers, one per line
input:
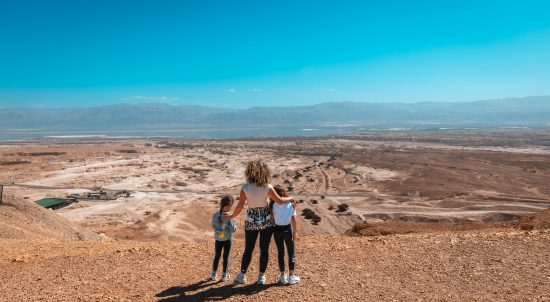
(160, 245)
(537, 221)
(21, 219)
(496, 262)
(474, 266)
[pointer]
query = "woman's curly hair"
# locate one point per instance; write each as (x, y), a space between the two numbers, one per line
(257, 172)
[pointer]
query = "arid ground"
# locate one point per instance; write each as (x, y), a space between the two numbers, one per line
(403, 216)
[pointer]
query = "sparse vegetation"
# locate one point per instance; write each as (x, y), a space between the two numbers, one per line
(41, 153)
(128, 151)
(342, 208)
(14, 162)
(310, 214)
(307, 213)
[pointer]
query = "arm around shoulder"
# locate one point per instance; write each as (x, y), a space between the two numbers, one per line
(278, 199)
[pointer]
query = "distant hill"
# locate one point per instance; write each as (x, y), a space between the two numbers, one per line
(120, 116)
(529, 111)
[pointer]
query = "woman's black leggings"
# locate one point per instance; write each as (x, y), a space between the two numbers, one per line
(283, 236)
(226, 247)
(250, 237)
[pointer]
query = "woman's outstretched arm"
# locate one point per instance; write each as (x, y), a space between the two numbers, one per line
(238, 208)
(278, 199)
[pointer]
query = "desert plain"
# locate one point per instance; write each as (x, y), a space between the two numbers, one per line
(401, 215)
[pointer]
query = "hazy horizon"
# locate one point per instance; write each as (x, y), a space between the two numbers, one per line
(160, 102)
(239, 55)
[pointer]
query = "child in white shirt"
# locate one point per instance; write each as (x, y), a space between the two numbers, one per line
(284, 232)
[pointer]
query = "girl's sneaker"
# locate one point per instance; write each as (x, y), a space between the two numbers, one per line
(293, 279)
(261, 279)
(225, 277)
(241, 278)
(283, 279)
(213, 276)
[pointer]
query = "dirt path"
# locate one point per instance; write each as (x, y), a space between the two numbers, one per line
(197, 192)
(326, 179)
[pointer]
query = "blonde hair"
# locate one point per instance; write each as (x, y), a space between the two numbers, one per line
(257, 172)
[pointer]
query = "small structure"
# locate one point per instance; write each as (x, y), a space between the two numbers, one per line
(99, 195)
(55, 203)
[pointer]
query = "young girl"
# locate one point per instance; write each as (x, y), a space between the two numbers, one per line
(222, 233)
(284, 232)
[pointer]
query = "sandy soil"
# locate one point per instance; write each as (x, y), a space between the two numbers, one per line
(174, 186)
(473, 266)
(424, 221)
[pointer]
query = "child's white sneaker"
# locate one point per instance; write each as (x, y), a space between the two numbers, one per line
(213, 276)
(225, 277)
(283, 279)
(241, 278)
(261, 279)
(293, 279)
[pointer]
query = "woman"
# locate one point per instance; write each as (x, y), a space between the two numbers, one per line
(255, 193)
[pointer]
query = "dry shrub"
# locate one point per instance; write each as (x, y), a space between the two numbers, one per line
(127, 151)
(41, 153)
(14, 162)
(342, 208)
(310, 214)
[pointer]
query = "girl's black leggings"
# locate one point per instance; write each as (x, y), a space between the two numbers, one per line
(250, 237)
(283, 236)
(226, 247)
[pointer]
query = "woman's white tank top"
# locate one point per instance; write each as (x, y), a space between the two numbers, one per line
(256, 197)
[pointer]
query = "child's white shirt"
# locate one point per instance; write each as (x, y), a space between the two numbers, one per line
(282, 213)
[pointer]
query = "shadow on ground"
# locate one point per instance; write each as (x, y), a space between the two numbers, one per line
(205, 291)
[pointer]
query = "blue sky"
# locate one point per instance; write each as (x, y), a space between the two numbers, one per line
(258, 53)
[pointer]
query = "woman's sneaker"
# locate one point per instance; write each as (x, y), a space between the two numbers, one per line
(225, 277)
(293, 279)
(261, 279)
(241, 278)
(213, 276)
(283, 279)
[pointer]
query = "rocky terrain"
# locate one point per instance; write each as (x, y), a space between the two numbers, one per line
(503, 263)
(440, 219)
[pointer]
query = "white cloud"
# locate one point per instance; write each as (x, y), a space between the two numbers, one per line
(231, 90)
(151, 98)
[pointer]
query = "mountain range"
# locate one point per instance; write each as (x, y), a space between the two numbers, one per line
(512, 112)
